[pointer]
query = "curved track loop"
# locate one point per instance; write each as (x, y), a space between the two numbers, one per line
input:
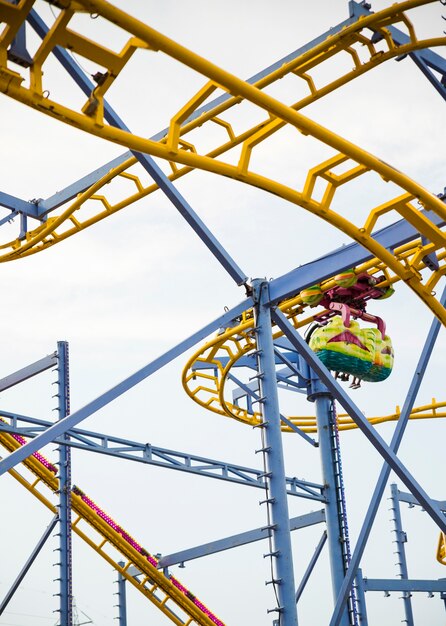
(208, 369)
(113, 544)
(347, 164)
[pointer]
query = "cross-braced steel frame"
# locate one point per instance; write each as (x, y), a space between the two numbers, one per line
(275, 350)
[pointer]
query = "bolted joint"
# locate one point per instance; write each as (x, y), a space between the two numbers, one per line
(274, 581)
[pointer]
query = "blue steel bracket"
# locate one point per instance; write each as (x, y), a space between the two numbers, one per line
(410, 585)
(411, 501)
(253, 396)
(160, 457)
(17, 205)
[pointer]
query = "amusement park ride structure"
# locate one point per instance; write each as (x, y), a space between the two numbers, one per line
(255, 348)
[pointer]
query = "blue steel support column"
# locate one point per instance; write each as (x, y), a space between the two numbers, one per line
(66, 592)
(400, 539)
(122, 600)
(360, 598)
(281, 554)
(324, 406)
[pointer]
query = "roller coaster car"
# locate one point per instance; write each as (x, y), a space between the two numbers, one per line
(351, 288)
(346, 348)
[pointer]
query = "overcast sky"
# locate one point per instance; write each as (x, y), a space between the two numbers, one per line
(132, 286)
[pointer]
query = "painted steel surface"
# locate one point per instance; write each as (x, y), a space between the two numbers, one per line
(167, 593)
(208, 370)
(348, 163)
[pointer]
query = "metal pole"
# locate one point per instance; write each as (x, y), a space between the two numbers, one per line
(360, 598)
(65, 589)
(311, 564)
(15, 585)
(278, 516)
(323, 404)
(122, 600)
(400, 539)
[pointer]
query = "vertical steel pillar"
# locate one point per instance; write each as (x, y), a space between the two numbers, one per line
(122, 600)
(360, 597)
(65, 589)
(278, 516)
(324, 406)
(400, 539)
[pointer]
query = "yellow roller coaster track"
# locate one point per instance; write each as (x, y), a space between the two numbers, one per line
(113, 544)
(441, 550)
(204, 376)
(348, 162)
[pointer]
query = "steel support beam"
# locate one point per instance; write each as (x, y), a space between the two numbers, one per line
(360, 598)
(343, 258)
(411, 586)
(78, 416)
(147, 162)
(103, 443)
(311, 564)
(241, 539)
(29, 562)
(64, 475)
(323, 403)
(249, 392)
(18, 205)
(409, 499)
(278, 516)
(122, 598)
(400, 540)
(28, 372)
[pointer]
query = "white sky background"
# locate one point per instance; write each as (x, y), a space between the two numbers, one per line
(134, 285)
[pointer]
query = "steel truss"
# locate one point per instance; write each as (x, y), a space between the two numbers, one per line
(404, 249)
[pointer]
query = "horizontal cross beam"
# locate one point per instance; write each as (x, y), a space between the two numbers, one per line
(422, 586)
(160, 457)
(241, 539)
(28, 372)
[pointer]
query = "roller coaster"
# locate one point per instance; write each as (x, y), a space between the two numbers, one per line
(297, 333)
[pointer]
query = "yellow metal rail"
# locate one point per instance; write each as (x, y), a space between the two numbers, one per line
(441, 550)
(347, 164)
(204, 376)
(113, 544)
